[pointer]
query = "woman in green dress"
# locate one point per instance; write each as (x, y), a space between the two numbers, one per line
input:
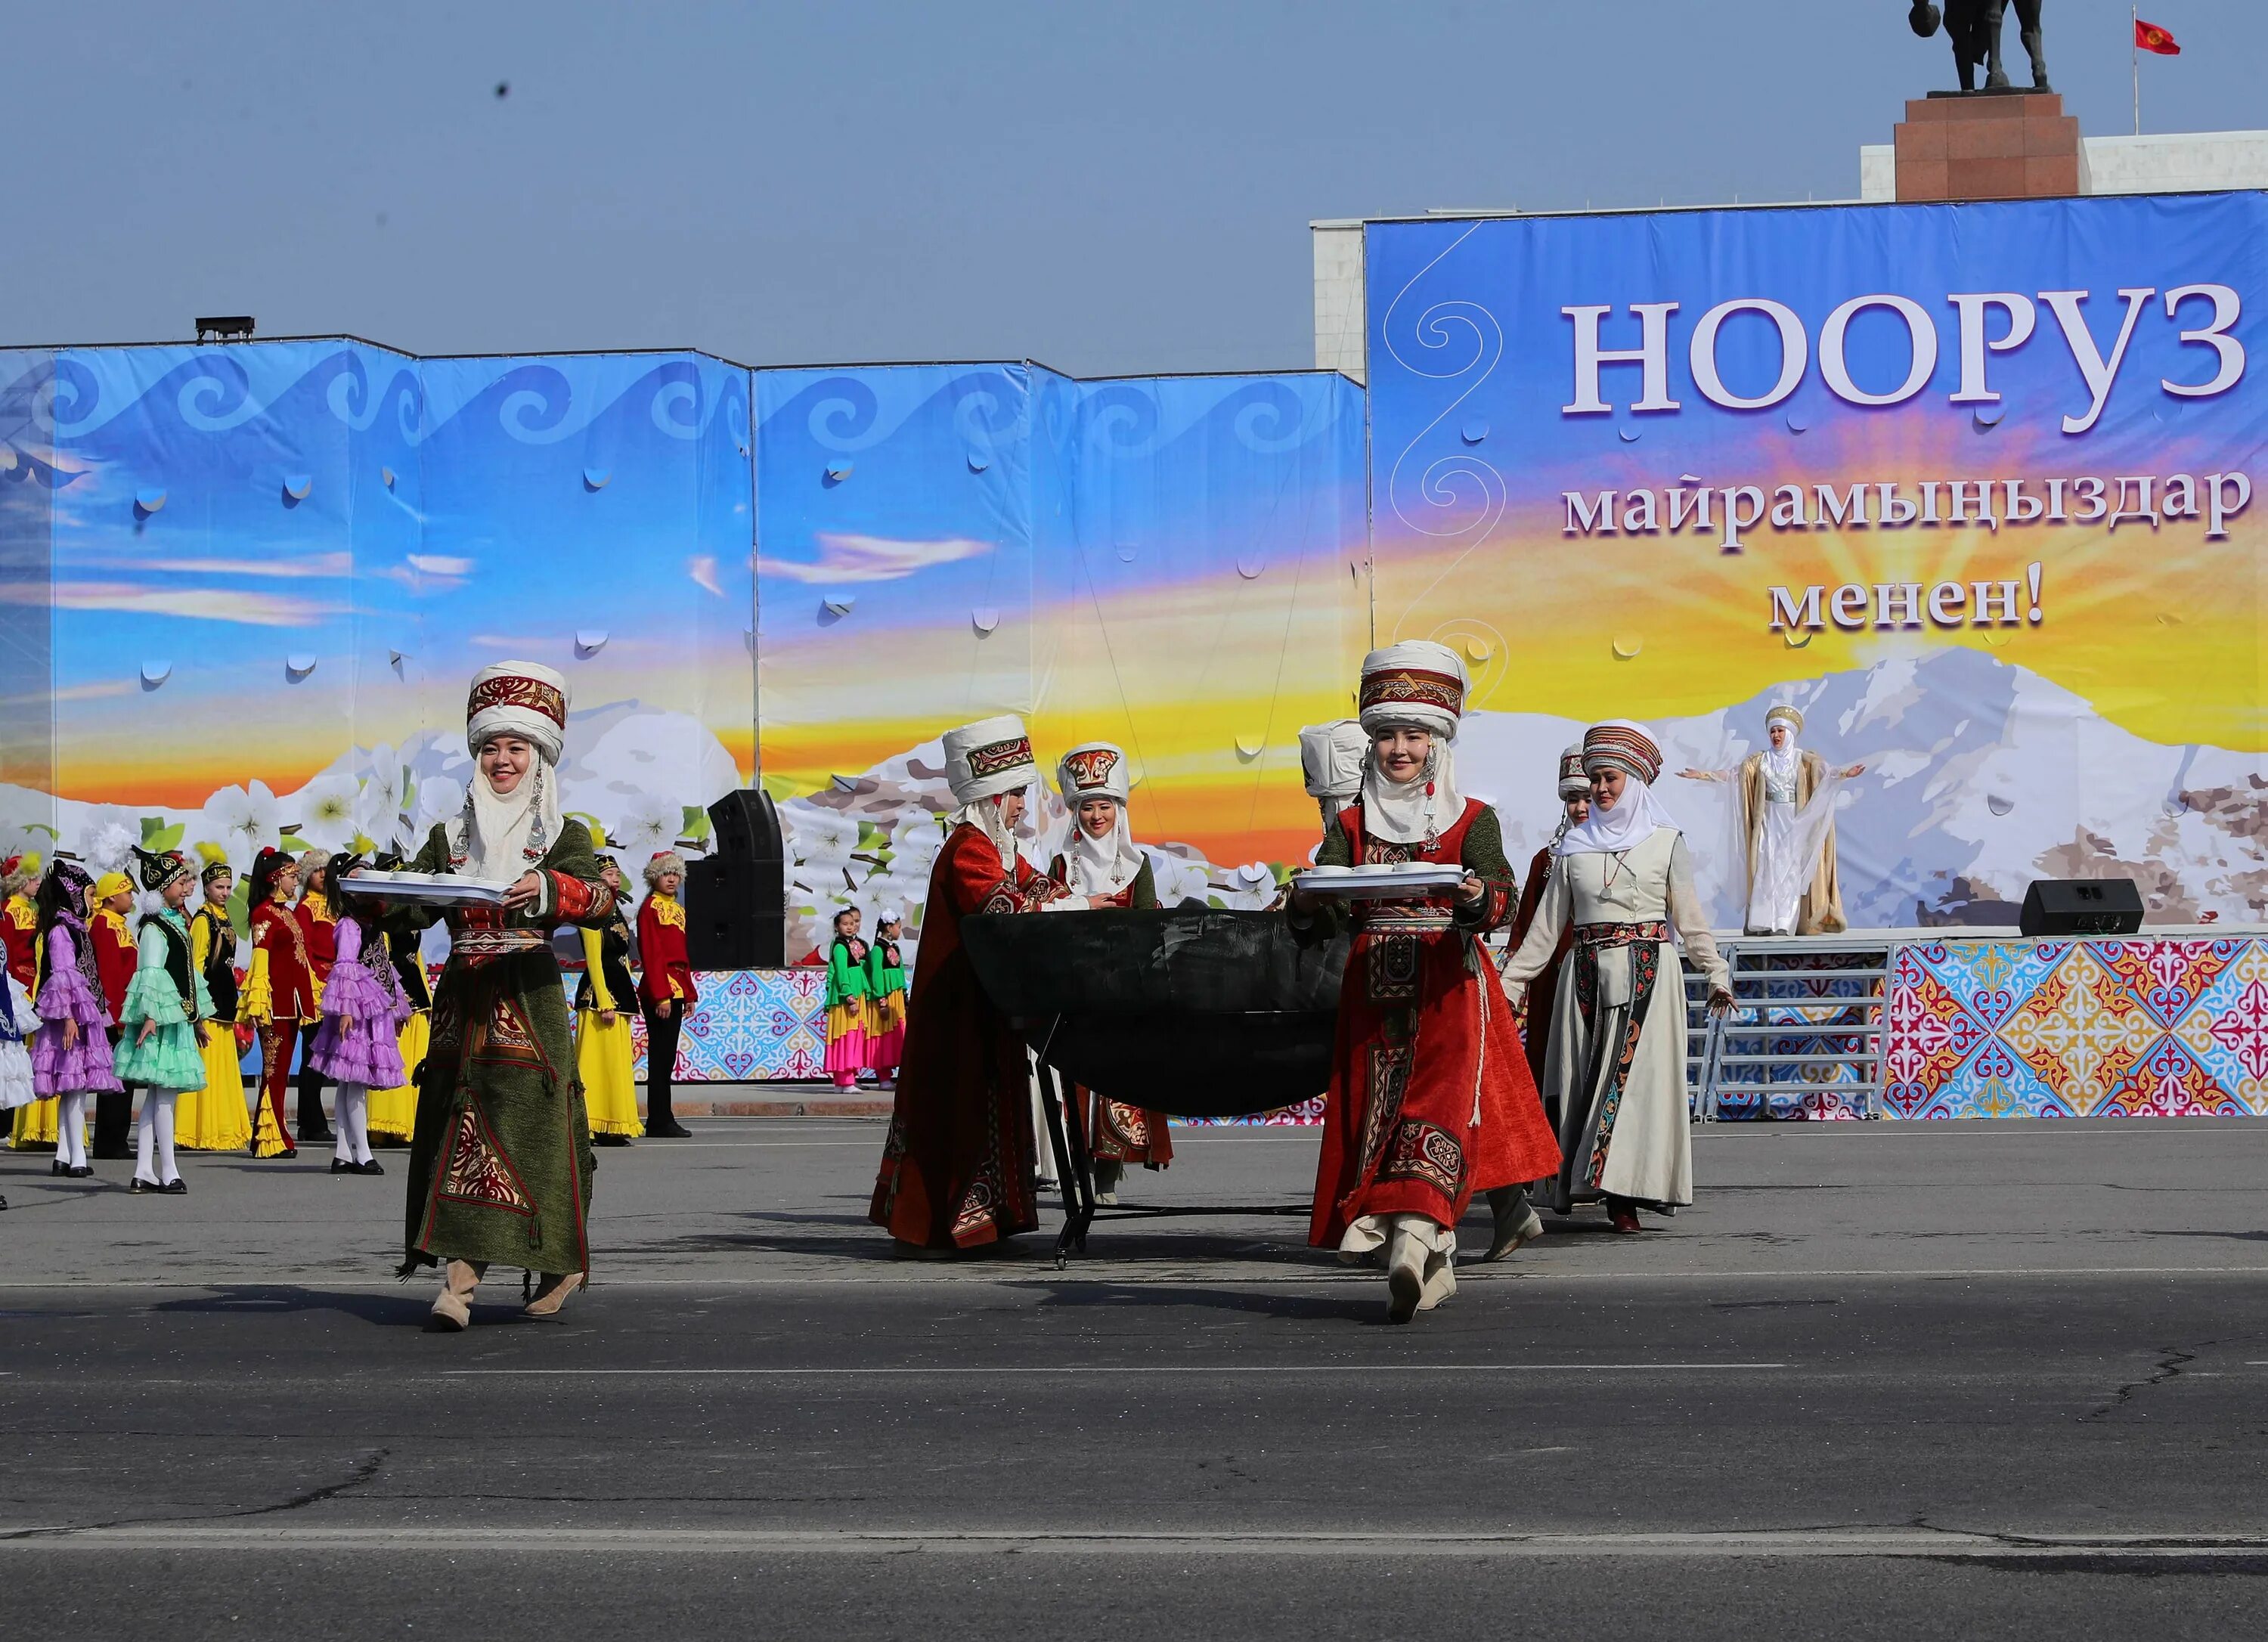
(500, 1169)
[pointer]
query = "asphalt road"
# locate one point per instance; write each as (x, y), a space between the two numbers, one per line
(1898, 1381)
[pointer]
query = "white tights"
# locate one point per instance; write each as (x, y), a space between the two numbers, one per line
(351, 1117)
(70, 1129)
(153, 1138)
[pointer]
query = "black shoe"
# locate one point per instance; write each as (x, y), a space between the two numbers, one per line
(111, 1154)
(175, 1188)
(315, 1136)
(610, 1140)
(669, 1129)
(58, 1168)
(137, 1186)
(340, 1166)
(82, 1171)
(371, 1167)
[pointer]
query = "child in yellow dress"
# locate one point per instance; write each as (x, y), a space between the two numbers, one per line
(214, 1118)
(604, 1055)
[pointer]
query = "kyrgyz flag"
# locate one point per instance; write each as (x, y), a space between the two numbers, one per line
(2150, 37)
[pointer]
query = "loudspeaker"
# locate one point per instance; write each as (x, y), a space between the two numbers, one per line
(736, 899)
(2081, 906)
(747, 827)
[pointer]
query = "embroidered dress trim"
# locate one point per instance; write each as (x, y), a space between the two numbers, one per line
(1427, 1153)
(507, 692)
(1089, 769)
(995, 756)
(479, 945)
(1400, 686)
(1644, 942)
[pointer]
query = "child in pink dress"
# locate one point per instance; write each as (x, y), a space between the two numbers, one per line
(71, 1052)
(359, 1045)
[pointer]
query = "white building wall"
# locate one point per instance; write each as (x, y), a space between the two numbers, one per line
(1340, 324)
(2185, 162)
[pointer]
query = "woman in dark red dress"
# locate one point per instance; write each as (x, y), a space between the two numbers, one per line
(957, 1170)
(1431, 1099)
(1575, 808)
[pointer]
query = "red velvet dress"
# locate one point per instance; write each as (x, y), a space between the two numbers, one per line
(115, 958)
(1543, 991)
(19, 923)
(957, 1170)
(318, 928)
(281, 997)
(1430, 1099)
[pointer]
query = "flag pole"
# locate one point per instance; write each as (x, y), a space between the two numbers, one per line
(2134, 58)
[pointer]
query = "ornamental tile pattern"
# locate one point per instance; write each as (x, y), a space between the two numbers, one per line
(2078, 1028)
(751, 1026)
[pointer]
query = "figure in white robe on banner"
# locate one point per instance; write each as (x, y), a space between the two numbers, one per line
(1787, 823)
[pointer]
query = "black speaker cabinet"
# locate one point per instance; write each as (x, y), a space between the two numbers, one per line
(736, 898)
(747, 827)
(2081, 906)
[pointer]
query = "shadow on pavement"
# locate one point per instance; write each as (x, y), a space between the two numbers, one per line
(402, 1310)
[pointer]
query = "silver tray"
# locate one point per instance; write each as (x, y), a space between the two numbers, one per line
(427, 889)
(1380, 883)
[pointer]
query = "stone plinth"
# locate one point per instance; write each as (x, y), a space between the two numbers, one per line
(2018, 145)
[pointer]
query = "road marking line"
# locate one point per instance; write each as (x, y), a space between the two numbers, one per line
(1095, 1274)
(1863, 1543)
(1152, 1368)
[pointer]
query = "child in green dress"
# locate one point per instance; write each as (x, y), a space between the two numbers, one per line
(163, 1022)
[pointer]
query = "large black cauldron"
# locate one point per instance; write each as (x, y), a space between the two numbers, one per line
(1195, 1012)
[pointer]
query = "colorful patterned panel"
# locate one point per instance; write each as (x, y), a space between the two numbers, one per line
(751, 1026)
(2078, 1028)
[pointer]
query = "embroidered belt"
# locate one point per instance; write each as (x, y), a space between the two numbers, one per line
(1620, 934)
(477, 944)
(1405, 917)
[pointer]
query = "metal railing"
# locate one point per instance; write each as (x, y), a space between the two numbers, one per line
(1804, 1037)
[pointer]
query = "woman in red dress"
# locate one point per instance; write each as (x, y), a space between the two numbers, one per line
(1431, 1099)
(318, 928)
(1103, 863)
(279, 994)
(666, 989)
(1575, 808)
(957, 1169)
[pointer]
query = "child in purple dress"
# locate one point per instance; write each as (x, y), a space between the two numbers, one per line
(71, 1052)
(358, 1046)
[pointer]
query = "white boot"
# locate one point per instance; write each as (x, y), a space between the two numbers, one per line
(1440, 1277)
(1513, 1223)
(1405, 1272)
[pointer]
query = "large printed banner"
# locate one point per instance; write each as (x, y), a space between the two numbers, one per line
(242, 588)
(1973, 486)
(1170, 564)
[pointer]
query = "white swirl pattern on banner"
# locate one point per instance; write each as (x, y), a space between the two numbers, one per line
(1439, 485)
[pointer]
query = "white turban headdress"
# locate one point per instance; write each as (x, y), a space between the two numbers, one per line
(1330, 758)
(983, 761)
(1415, 684)
(522, 698)
(1104, 865)
(499, 835)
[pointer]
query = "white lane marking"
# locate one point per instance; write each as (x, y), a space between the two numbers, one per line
(1224, 1273)
(1052, 1372)
(1866, 1542)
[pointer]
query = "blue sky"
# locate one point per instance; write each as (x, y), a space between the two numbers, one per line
(1106, 188)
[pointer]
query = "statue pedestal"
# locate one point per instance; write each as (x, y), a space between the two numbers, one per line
(1995, 145)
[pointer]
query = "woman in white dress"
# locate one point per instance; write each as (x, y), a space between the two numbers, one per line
(1623, 880)
(1787, 827)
